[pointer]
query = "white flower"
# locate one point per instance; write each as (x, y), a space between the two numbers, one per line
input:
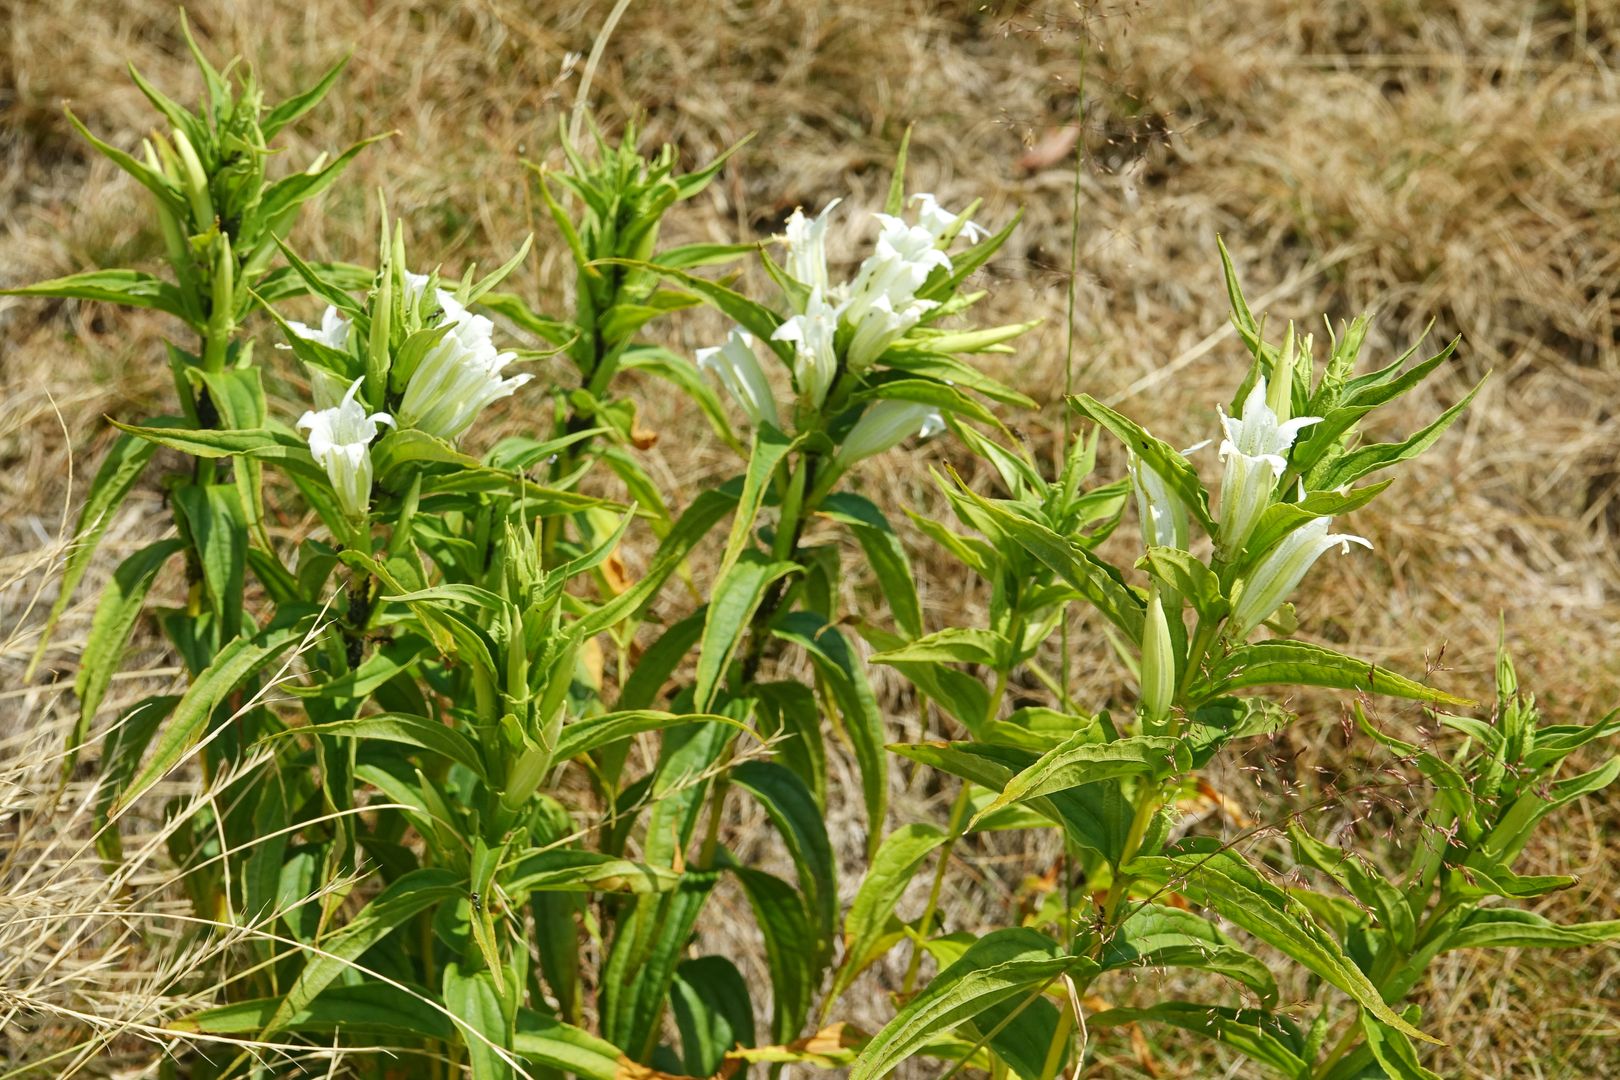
(1281, 570)
(738, 368)
(806, 242)
(1162, 513)
(1158, 665)
(459, 376)
(340, 440)
(816, 359)
(1253, 452)
(938, 220)
(333, 331)
(880, 326)
(884, 426)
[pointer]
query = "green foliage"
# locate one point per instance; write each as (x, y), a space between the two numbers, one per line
(468, 779)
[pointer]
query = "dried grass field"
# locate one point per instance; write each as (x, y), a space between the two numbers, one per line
(1450, 161)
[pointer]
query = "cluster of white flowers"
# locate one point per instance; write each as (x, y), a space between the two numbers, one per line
(460, 375)
(870, 313)
(456, 379)
(879, 305)
(1254, 456)
(340, 441)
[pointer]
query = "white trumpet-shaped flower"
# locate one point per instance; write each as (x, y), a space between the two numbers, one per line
(1158, 665)
(340, 441)
(884, 426)
(1253, 453)
(881, 325)
(1282, 569)
(1162, 513)
(738, 369)
(460, 375)
(806, 241)
(812, 333)
(938, 220)
(333, 331)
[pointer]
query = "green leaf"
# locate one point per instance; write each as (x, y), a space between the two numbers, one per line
(1503, 928)
(590, 733)
(835, 662)
(790, 948)
(954, 645)
(472, 997)
(770, 448)
(895, 864)
(122, 466)
(408, 730)
(941, 395)
(713, 1012)
(1190, 578)
(1158, 936)
(402, 900)
(566, 870)
(369, 1009)
(798, 819)
(213, 519)
(1220, 879)
(552, 1044)
(757, 319)
(1081, 760)
(883, 551)
(1297, 663)
(1393, 1050)
(1367, 885)
(1358, 463)
(1090, 577)
(1004, 964)
(736, 596)
(1178, 473)
(1093, 816)
(299, 104)
(132, 288)
(116, 614)
(236, 662)
(1262, 1036)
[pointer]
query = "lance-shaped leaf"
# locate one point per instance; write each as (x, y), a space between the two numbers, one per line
(566, 870)
(119, 470)
(1392, 1050)
(1155, 935)
(552, 1044)
(1004, 964)
(1261, 1036)
(400, 901)
(754, 317)
(238, 661)
(370, 1009)
(713, 1012)
(132, 288)
(1502, 928)
(895, 864)
(736, 597)
(1220, 879)
(1298, 663)
(956, 645)
(883, 551)
(1081, 760)
(1367, 459)
(115, 617)
(792, 808)
(845, 676)
(1177, 472)
(407, 730)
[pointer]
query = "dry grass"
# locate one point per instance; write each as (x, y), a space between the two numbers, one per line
(1453, 161)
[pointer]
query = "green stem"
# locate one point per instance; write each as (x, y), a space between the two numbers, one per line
(958, 821)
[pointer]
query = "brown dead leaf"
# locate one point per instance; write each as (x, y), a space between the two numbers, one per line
(1050, 149)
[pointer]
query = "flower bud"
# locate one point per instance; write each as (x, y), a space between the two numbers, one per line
(1158, 666)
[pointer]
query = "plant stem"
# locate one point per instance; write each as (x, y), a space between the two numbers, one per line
(959, 811)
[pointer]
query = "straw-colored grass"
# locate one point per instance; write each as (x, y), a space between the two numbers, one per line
(1453, 161)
